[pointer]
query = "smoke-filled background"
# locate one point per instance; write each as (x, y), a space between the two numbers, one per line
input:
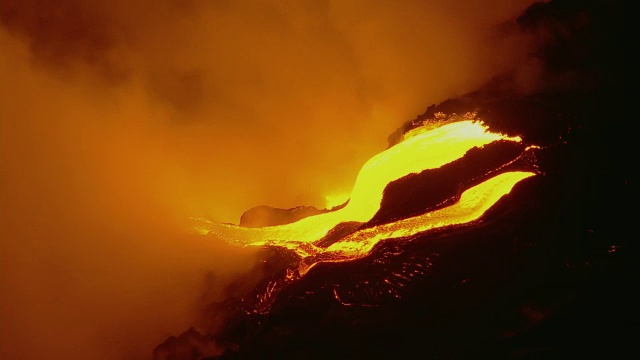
(121, 120)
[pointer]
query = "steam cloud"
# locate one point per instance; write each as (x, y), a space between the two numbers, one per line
(120, 120)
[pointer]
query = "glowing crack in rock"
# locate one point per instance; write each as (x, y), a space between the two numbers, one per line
(423, 150)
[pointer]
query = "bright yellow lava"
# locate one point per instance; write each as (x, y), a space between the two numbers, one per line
(472, 204)
(424, 150)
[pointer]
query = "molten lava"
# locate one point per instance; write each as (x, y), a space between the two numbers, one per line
(422, 149)
(472, 204)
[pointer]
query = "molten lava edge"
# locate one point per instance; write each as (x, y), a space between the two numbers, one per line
(439, 163)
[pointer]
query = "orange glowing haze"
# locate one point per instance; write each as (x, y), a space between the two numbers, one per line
(122, 120)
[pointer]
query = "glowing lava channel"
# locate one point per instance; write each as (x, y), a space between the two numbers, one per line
(473, 203)
(425, 150)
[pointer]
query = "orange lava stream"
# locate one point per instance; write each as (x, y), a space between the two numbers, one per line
(429, 149)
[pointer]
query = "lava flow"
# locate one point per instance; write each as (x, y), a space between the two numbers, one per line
(472, 204)
(424, 148)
